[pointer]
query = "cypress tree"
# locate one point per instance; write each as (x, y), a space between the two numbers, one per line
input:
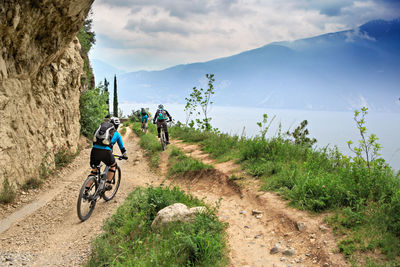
(106, 83)
(115, 97)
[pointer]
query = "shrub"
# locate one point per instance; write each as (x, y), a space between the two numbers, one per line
(63, 156)
(93, 109)
(8, 192)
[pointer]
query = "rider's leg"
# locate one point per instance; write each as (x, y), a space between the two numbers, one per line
(165, 126)
(158, 130)
(111, 172)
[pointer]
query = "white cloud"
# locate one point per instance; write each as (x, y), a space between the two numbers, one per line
(155, 34)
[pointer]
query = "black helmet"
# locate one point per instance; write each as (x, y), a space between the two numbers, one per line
(160, 106)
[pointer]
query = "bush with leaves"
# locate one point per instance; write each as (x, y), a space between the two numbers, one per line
(93, 108)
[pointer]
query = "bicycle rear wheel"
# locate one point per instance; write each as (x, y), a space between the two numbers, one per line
(87, 200)
(108, 195)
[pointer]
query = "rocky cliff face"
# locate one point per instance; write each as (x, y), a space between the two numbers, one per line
(40, 81)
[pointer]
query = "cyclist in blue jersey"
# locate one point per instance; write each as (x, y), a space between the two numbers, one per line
(144, 117)
(105, 138)
(161, 117)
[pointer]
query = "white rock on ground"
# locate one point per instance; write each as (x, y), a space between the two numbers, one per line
(174, 213)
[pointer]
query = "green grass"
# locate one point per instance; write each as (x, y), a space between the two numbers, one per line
(8, 192)
(149, 142)
(123, 130)
(180, 164)
(128, 239)
(366, 200)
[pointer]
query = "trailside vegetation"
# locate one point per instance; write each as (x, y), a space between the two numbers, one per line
(129, 240)
(180, 164)
(362, 192)
(201, 98)
(93, 109)
(87, 38)
(149, 142)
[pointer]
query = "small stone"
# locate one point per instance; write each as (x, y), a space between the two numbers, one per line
(325, 264)
(314, 261)
(289, 252)
(322, 228)
(259, 216)
(255, 212)
(247, 227)
(275, 249)
(286, 234)
(242, 212)
(9, 258)
(257, 236)
(313, 236)
(283, 258)
(312, 240)
(307, 254)
(301, 226)
(325, 242)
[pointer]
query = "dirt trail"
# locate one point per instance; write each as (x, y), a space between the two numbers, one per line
(44, 230)
(48, 232)
(250, 236)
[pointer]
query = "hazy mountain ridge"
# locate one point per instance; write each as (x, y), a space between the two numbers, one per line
(335, 71)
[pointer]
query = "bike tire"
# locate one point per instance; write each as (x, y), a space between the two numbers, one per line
(162, 140)
(108, 195)
(86, 205)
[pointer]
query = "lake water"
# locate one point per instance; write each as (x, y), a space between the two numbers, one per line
(329, 128)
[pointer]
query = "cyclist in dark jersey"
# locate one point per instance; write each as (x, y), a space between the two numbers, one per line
(161, 116)
(103, 153)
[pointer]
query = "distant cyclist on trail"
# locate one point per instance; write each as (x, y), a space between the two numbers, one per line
(144, 117)
(103, 141)
(161, 116)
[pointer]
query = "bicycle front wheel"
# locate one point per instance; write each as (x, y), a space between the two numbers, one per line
(87, 199)
(110, 194)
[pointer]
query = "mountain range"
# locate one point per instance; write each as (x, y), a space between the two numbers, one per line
(335, 71)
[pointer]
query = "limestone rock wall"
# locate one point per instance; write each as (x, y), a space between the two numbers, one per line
(40, 81)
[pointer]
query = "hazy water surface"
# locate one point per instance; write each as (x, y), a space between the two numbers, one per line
(329, 128)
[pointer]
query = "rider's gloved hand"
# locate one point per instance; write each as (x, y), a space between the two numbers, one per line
(154, 122)
(125, 155)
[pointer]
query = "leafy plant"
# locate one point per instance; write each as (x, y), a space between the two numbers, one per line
(300, 135)
(201, 97)
(63, 156)
(263, 125)
(368, 149)
(93, 108)
(8, 192)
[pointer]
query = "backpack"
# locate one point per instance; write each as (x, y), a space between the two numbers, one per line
(104, 134)
(162, 115)
(143, 112)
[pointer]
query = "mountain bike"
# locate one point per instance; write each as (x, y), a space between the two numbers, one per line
(88, 197)
(163, 139)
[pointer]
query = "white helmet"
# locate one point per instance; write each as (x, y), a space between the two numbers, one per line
(115, 121)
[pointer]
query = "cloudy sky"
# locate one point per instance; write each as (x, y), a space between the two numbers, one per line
(156, 34)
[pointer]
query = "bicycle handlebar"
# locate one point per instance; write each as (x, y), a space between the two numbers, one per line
(120, 157)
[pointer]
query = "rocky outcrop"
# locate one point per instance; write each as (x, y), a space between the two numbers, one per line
(40, 81)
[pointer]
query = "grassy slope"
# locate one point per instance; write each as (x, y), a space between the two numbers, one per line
(365, 202)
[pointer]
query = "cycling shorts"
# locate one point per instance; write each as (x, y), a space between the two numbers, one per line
(145, 118)
(98, 155)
